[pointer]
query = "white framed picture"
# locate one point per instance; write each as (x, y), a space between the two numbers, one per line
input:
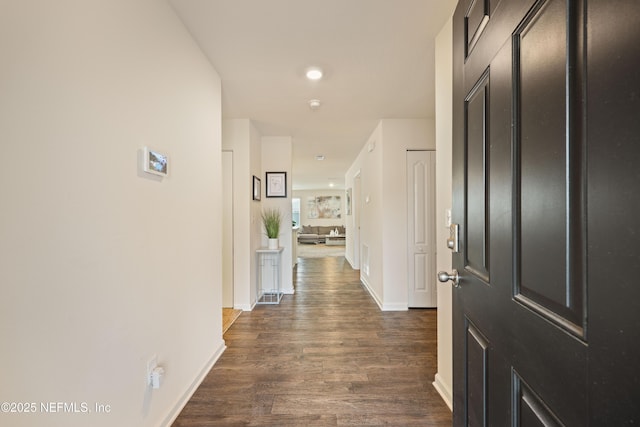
(155, 162)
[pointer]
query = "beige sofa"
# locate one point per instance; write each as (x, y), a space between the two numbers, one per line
(317, 233)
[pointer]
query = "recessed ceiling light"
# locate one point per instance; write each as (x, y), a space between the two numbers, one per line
(314, 73)
(314, 104)
(319, 157)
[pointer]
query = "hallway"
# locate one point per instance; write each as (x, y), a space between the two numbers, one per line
(326, 356)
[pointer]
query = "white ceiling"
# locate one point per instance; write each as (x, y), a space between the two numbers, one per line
(377, 57)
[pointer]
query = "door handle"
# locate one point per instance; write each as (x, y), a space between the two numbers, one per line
(444, 277)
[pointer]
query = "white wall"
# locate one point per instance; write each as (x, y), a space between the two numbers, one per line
(444, 122)
(304, 195)
(241, 137)
(227, 229)
(255, 222)
(235, 138)
(352, 221)
(277, 154)
(368, 165)
(102, 266)
(398, 136)
(381, 165)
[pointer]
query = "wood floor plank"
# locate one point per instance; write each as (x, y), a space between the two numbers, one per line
(325, 356)
(351, 404)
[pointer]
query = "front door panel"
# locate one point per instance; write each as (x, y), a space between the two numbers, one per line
(520, 346)
(477, 115)
(548, 146)
(476, 360)
(529, 409)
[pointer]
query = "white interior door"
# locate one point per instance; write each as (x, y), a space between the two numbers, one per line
(227, 229)
(421, 187)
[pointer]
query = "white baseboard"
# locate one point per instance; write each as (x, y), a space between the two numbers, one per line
(363, 280)
(246, 307)
(444, 390)
(381, 305)
(173, 414)
(352, 262)
(395, 307)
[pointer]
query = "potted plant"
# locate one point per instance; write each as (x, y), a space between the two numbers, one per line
(271, 220)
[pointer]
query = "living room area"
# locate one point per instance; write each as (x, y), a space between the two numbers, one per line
(329, 235)
(318, 222)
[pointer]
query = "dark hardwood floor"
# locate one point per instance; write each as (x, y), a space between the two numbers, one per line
(326, 356)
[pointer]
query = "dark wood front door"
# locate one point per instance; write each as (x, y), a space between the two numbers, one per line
(547, 195)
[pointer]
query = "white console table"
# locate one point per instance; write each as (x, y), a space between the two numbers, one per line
(269, 265)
